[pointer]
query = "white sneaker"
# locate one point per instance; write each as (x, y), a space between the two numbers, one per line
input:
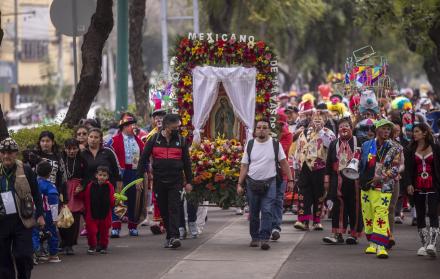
(422, 251)
(398, 220)
(238, 211)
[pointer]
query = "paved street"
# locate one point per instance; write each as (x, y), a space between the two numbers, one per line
(222, 252)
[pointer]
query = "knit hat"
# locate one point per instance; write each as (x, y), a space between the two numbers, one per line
(383, 122)
(8, 144)
(368, 101)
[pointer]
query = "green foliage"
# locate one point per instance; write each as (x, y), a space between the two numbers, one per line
(27, 137)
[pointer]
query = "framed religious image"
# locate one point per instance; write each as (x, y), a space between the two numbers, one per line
(223, 121)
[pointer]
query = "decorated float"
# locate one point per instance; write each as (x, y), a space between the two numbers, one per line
(222, 84)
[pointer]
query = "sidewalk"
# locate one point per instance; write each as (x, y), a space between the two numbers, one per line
(228, 255)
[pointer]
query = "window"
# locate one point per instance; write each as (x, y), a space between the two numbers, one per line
(34, 50)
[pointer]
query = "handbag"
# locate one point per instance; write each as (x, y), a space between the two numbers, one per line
(258, 187)
(65, 218)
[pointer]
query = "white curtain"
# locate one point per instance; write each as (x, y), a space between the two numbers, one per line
(239, 83)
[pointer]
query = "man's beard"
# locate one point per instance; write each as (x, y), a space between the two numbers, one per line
(261, 137)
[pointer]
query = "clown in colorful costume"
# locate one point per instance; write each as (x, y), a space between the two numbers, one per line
(343, 193)
(128, 147)
(309, 162)
(380, 158)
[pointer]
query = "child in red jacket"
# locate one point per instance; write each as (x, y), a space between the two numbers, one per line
(99, 200)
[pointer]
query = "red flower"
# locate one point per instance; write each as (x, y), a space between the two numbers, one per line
(184, 43)
(260, 44)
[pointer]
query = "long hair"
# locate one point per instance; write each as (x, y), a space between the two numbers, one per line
(429, 139)
(51, 136)
(101, 135)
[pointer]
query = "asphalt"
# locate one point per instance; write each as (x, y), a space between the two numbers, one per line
(314, 259)
(222, 252)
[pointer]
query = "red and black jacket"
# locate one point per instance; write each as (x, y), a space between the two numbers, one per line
(170, 160)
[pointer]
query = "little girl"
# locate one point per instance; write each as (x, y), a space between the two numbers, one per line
(74, 166)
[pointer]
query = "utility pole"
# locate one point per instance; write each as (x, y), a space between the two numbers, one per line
(17, 89)
(164, 28)
(122, 56)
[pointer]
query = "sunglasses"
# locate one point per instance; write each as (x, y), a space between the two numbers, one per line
(81, 134)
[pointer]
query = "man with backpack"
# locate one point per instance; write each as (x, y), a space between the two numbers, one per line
(260, 172)
(171, 164)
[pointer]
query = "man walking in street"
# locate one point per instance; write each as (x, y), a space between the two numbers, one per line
(171, 166)
(19, 193)
(260, 170)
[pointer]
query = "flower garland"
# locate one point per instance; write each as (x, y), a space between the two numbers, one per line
(190, 53)
(216, 168)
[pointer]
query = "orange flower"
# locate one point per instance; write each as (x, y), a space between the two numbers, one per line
(219, 177)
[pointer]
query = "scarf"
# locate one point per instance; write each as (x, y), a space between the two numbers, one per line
(99, 200)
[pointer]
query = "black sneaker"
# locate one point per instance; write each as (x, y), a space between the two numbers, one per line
(254, 243)
(175, 243)
(275, 235)
(351, 240)
(265, 245)
(69, 251)
(103, 251)
(91, 251)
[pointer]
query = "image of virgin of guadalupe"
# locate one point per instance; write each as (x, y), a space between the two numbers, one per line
(224, 120)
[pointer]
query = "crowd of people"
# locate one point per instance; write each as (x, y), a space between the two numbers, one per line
(363, 160)
(359, 160)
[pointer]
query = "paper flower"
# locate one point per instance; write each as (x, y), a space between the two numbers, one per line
(187, 98)
(187, 81)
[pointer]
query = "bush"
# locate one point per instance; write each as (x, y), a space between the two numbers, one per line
(26, 137)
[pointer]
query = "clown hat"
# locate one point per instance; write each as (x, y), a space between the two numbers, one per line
(306, 106)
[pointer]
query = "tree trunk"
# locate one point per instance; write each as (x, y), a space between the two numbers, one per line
(3, 128)
(431, 64)
(1, 30)
(140, 80)
(90, 78)
(220, 21)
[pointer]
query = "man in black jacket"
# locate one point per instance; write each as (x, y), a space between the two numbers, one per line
(16, 214)
(168, 154)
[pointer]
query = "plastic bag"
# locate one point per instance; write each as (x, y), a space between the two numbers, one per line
(65, 218)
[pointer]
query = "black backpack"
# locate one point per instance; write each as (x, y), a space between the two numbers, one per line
(276, 149)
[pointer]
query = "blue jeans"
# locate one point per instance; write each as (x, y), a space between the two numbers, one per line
(277, 208)
(261, 229)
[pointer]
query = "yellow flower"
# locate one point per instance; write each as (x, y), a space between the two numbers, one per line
(186, 118)
(259, 116)
(240, 51)
(187, 98)
(187, 81)
(260, 99)
(194, 50)
(184, 133)
(259, 59)
(220, 51)
(261, 77)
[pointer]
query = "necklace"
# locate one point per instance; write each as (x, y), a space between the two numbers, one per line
(70, 173)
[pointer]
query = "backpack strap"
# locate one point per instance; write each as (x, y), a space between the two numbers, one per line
(250, 145)
(276, 149)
